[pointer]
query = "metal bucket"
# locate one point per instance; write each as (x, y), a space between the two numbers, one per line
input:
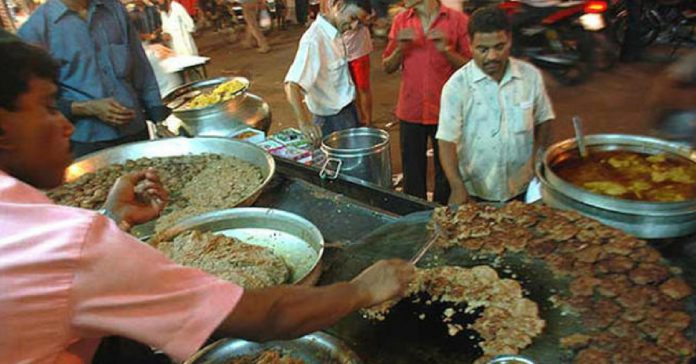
(363, 153)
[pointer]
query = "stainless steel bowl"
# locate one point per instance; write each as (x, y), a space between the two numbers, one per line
(510, 359)
(223, 118)
(651, 220)
(176, 147)
(316, 348)
(292, 237)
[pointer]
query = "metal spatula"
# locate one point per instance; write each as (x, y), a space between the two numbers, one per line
(579, 136)
(420, 253)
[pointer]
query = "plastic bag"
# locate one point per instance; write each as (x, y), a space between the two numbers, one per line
(265, 19)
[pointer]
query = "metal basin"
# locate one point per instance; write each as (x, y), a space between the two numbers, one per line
(176, 147)
(363, 153)
(650, 220)
(221, 119)
(290, 236)
(316, 348)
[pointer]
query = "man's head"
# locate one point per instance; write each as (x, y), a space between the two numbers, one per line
(491, 39)
(164, 5)
(34, 135)
(347, 14)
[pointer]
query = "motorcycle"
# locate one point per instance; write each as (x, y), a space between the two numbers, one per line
(674, 21)
(566, 40)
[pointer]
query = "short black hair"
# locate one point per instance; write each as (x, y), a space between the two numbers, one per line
(363, 4)
(20, 63)
(489, 19)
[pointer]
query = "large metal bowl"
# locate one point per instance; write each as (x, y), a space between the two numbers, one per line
(176, 147)
(221, 119)
(290, 236)
(316, 348)
(650, 220)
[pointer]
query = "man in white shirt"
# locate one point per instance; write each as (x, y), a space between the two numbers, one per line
(493, 118)
(318, 85)
(177, 28)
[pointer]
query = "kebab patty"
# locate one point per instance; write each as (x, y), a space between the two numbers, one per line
(247, 265)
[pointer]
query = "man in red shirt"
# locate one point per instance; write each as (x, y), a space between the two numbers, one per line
(428, 42)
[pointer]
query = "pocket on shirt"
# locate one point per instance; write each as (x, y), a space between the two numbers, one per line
(120, 59)
(523, 130)
(336, 68)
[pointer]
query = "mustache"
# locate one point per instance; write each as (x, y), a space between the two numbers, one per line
(490, 63)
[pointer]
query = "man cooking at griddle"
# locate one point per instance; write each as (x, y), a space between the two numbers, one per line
(70, 276)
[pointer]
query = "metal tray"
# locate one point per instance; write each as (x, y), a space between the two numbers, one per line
(176, 147)
(290, 236)
(316, 348)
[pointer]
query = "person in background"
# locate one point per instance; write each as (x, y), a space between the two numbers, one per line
(427, 42)
(495, 116)
(358, 47)
(142, 21)
(70, 276)
(107, 87)
(318, 84)
(178, 28)
(250, 11)
(632, 49)
(301, 11)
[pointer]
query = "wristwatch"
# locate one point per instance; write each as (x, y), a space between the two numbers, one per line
(123, 225)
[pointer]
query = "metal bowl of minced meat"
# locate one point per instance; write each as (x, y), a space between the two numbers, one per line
(294, 239)
(201, 174)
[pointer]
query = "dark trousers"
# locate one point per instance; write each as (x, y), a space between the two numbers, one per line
(345, 119)
(79, 149)
(414, 145)
(301, 11)
(632, 48)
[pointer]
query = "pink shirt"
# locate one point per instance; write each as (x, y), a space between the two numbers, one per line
(69, 276)
(425, 69)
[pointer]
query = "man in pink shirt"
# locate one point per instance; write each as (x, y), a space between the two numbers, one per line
(70, 276)
(428, 42)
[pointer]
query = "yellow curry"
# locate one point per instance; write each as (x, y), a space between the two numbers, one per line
(632, 175)
(222, 92)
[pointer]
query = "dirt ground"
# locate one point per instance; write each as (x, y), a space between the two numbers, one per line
(610, 102)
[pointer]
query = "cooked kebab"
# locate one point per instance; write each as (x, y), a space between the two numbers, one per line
(247, 265)
(629, 300)
(196, 184)
(509, 321)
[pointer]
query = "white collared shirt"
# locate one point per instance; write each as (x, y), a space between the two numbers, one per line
(321, 69)
(493, 126)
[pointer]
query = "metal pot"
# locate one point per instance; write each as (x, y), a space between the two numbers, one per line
(221, 119)
(363, 153)
(650, 220)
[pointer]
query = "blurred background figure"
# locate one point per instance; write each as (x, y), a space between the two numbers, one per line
(673, 101)
(358, 43)
(178, 28)
(253, 36)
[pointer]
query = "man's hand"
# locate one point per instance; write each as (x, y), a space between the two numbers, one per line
(312, 132)
(166, 37)
(136, 198)
(385, 280)
(405, 37)
(108, 111)
(458, 195)
(438, 37)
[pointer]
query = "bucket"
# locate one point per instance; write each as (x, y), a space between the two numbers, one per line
(363, 153)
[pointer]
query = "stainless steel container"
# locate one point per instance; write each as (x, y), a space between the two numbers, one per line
(510, 359)
(649, 220)
(222, 119)
(175, 147)
(363, 153)
(290, 236)
(315, 348)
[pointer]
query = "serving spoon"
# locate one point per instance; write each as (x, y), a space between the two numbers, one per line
(580, 136)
